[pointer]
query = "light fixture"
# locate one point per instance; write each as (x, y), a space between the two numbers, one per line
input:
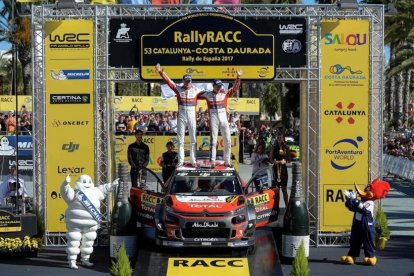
(348, 4)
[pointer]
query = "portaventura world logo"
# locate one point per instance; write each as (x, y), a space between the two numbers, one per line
(343, 159)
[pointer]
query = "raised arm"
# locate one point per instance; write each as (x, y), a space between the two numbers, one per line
(166, 79)
(236, 85)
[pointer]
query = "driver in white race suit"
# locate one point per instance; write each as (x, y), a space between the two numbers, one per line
(217, 107)
(187, 101)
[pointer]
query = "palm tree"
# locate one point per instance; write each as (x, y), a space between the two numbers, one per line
(18, 33)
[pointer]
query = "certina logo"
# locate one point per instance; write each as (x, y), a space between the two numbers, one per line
(71, 147)
(59, 123)
(290, 28)
(70, 40)
(342, 112)
(291, 46)
(343, 153)
(72, 170)
(123, 34)
(205, 224)
(70, 99)
(70, 75)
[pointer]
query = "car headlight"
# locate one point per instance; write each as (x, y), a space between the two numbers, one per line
(238, 219)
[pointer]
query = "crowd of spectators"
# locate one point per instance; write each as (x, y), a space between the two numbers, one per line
(10, 123)
(399, 143)
(166, 122)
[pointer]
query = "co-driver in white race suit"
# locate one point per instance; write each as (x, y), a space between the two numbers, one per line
(187, 101)
(217, 108)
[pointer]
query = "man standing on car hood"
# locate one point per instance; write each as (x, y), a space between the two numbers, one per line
(187, 101)
(217, 107)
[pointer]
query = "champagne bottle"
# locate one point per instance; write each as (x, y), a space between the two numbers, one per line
(122, 224)
(296, 218)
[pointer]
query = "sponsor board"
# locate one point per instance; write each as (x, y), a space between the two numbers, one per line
(70, 74)
(150, 199)
(345, 88)
(260, 199)
(192, 44)
(208, 266)
(70, 99)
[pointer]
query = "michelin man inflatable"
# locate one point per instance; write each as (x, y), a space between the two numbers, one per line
(363, 228)
(82, 216)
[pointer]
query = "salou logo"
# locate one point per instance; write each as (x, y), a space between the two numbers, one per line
(343, 112)
(343, 153)
(123, 34)
(290, 28)
(345, 39)
(70, 75)
(339, 72)
(291, 46)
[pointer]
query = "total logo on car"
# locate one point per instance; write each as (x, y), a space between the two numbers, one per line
(208, 207)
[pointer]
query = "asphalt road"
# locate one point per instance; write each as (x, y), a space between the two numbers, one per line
(396, 260)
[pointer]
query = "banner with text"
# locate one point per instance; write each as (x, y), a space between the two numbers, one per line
(208, 45)
(157, 104)
(8, 103)
(345, 88)
(157, 147)
(70, 136)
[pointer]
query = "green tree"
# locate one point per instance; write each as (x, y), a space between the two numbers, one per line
(121, 267)
(300, 266)
(17, 29)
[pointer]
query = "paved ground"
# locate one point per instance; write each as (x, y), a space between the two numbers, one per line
(396, 260)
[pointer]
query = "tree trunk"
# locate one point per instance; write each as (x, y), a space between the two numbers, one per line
(25, 60)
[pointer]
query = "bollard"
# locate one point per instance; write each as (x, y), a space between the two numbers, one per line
(296, 219)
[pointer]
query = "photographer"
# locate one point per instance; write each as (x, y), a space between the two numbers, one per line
(10, 187)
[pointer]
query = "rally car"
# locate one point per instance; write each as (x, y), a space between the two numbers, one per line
(208, 207)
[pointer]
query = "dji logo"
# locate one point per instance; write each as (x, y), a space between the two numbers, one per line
(71, 147)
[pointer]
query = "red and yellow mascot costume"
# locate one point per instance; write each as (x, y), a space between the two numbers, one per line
(363, 229)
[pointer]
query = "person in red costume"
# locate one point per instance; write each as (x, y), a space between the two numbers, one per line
(217, 108)
(363, 229)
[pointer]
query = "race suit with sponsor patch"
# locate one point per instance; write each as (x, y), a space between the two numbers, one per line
(217, 108)
(187, 101)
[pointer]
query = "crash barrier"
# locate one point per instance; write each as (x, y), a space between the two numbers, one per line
(401, 167)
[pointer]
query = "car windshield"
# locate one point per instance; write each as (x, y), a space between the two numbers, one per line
(206, 185)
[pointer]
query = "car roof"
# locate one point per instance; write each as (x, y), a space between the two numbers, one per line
(204, 166)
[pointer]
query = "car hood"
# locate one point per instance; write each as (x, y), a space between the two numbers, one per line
(213, 204)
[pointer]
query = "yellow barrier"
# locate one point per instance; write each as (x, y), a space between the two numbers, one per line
(157, 144)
